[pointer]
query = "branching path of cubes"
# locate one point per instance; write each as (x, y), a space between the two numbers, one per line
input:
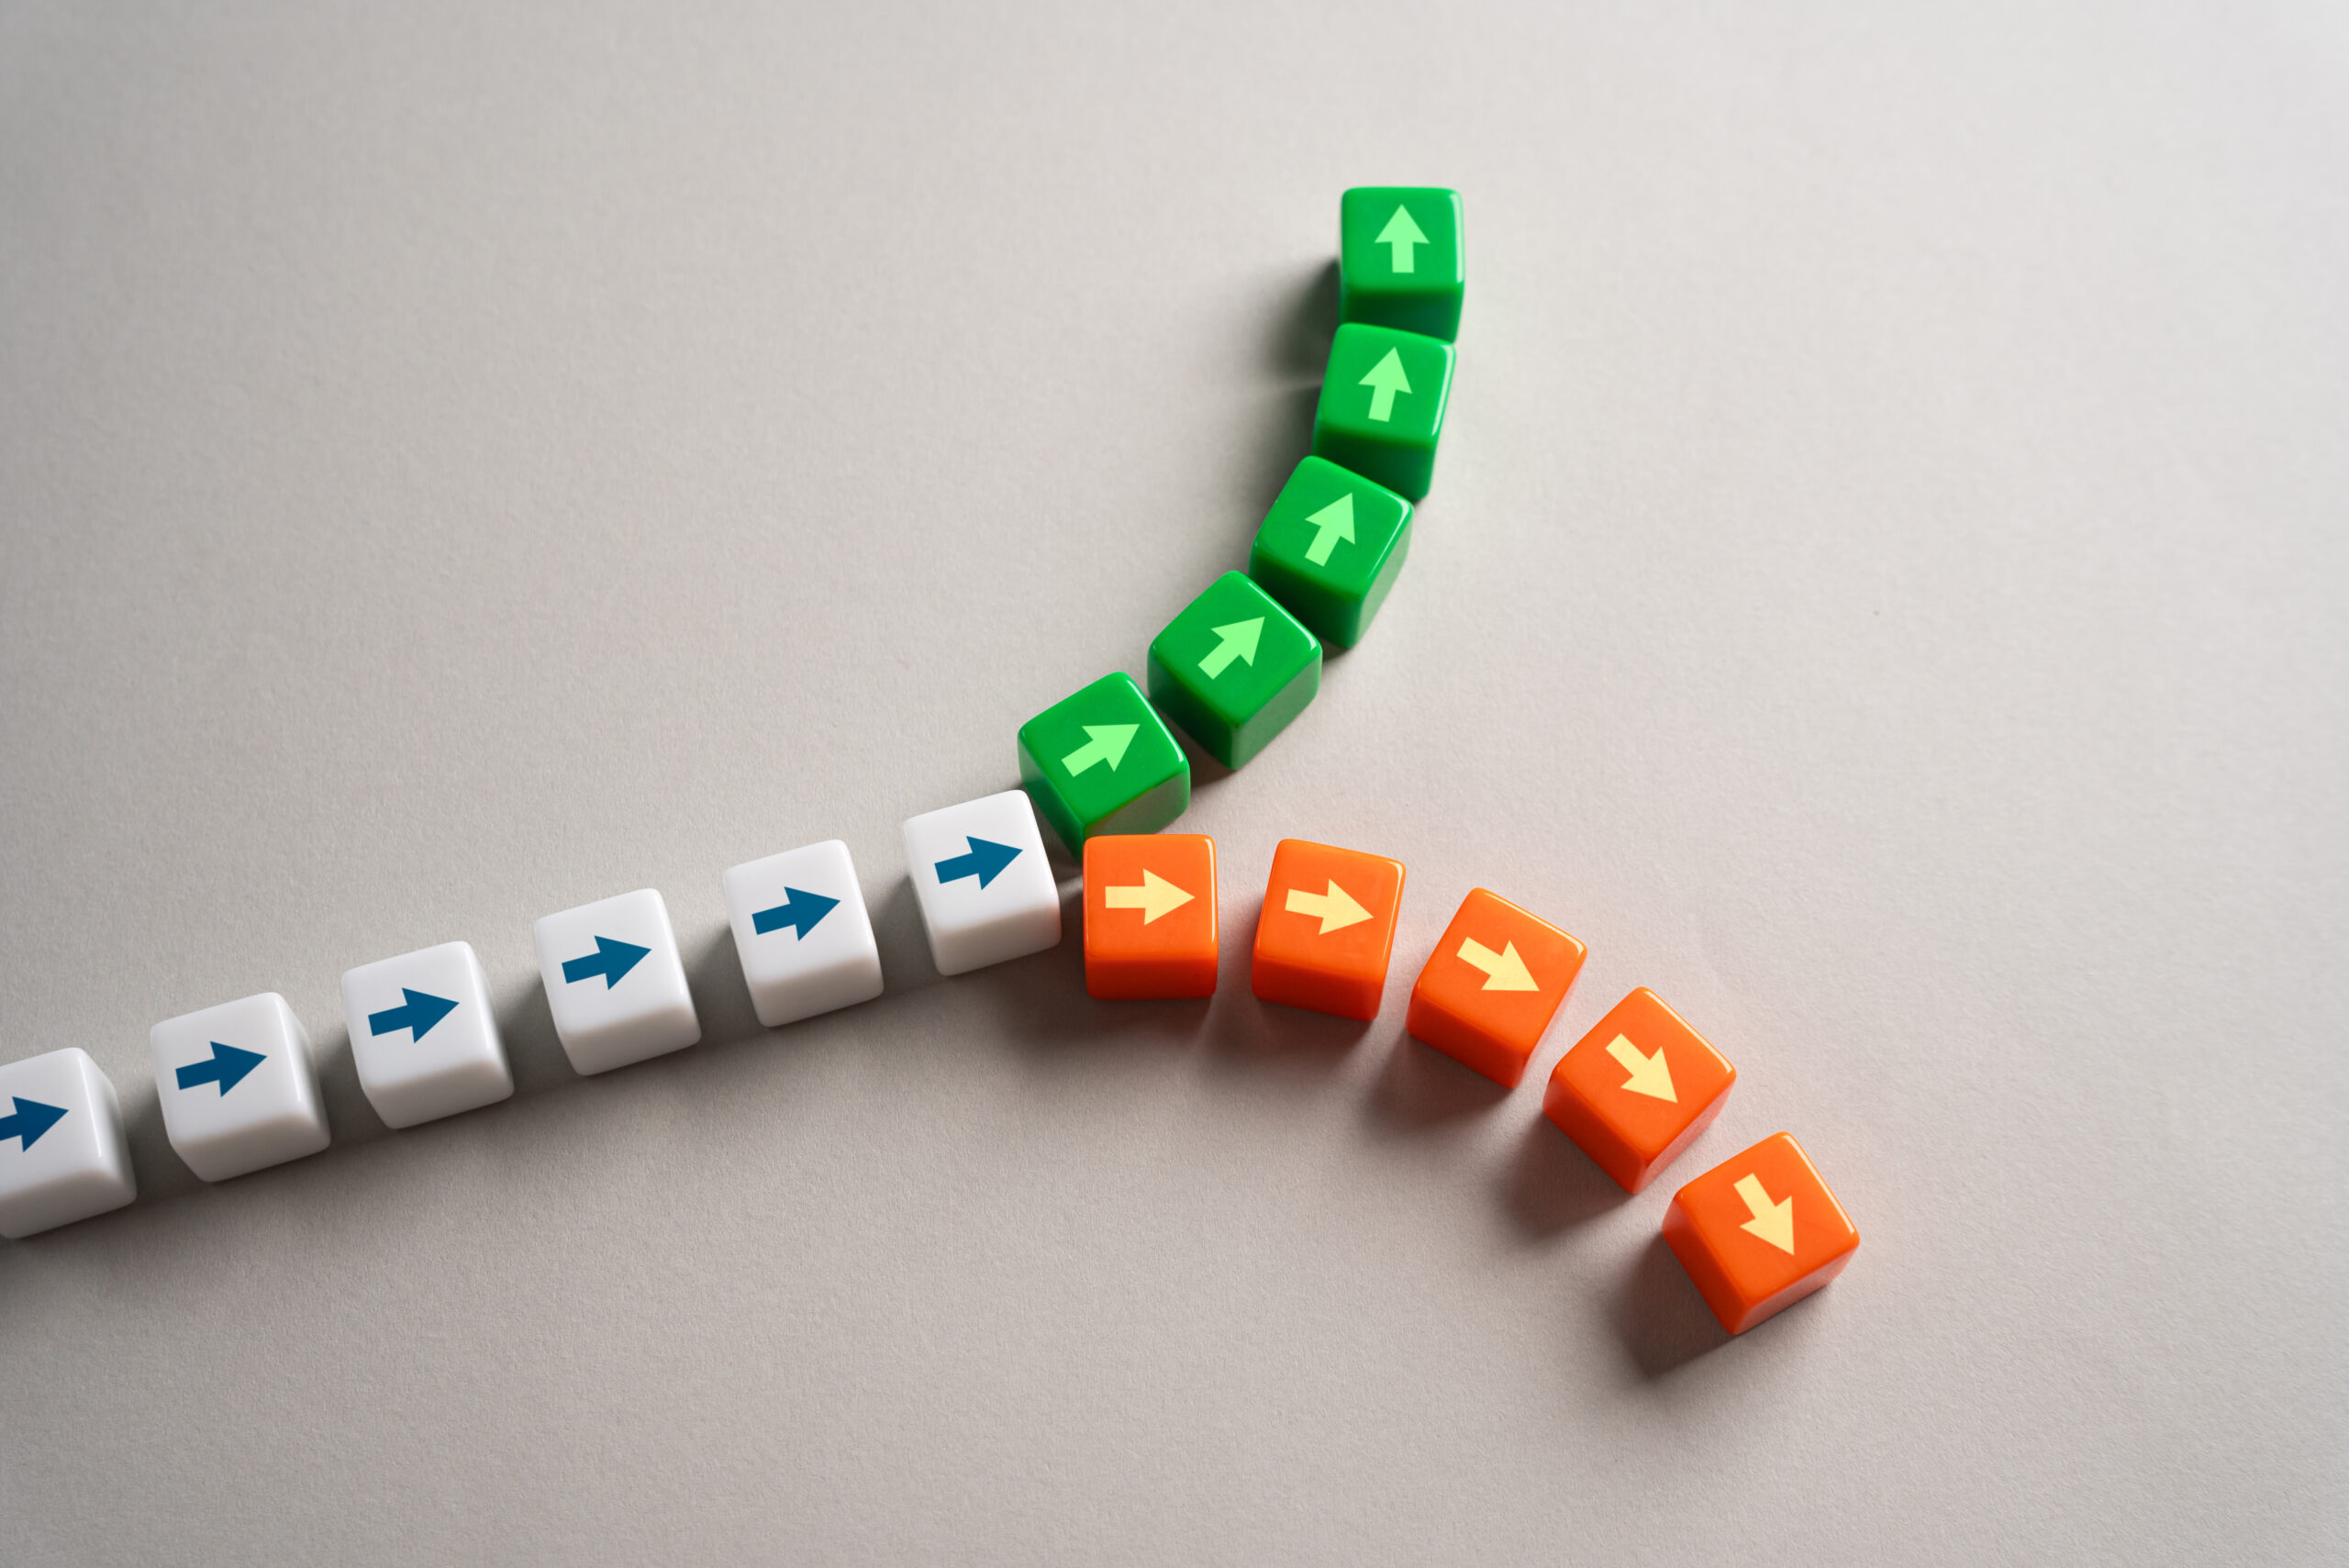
(240, 1090)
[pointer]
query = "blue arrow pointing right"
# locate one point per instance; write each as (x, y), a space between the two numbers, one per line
(611, 960)
(985, 860)
(800, 910)
(228, 1068)
(417, 1014)
(32, 1119)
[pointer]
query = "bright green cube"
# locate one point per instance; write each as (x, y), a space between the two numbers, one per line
(1330, 547)
(1233, 669)
(1399, 259)
(1382, 405)
(1103, 762)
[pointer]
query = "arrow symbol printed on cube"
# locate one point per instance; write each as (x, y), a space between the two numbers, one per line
(417, 1014)
(1336, 910)
(1333, 522)
(1504, 971)
(985, 860)
(1385, 380)
(1650, 1076)
(1773, 1222)
(1108, 744)
(1154, 895)
(800, 910)
(1237, 641)
(1400, 234)
(227, 1068)
(611, 960)
(32, 1119)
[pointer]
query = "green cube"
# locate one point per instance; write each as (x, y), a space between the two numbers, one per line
(1103, 762)
(1382, 405)
(1400, 260)
(1233, 669)
(1330, 547)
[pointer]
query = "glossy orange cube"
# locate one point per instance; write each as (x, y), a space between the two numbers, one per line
(1758, 1232)
(1150, 915)
(1638, 1089)
(1492, 986)
(1327, 929)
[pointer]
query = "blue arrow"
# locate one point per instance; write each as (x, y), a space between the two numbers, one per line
(800, 910)
(228, 1068)
(32, 1119)
(611, 960)
(985, 860)
(423, 1009)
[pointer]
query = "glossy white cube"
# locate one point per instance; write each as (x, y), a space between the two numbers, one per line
(817, 952)
(1018, 909)
(269, 1114)
(604, 1022)
(63, 1154)
(423, 1037)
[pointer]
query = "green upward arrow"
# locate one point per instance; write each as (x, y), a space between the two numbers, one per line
(1237, 641)
(1108, 744)
(1385, 380)
(1332, 523)
(1402, 234)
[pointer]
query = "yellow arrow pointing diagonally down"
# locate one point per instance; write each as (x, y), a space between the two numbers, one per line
(1650, 1076)
(1773, 1222)
(1336, 908)
(1154, 895)
(1504, 971)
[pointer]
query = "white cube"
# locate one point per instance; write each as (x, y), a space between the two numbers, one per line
(979, 874)
(800, 926)
(63, 1155)
(614, 982)
(238, 1086)
(422, 1035)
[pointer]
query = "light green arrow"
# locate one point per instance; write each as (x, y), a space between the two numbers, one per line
(1237, 641)
(1385, 380)
(1402, 234)
(1335, 522)
(1108, 744)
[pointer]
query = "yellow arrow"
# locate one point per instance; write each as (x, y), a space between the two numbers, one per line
(1336, 907)
(1504, 971)
(1650, 1076)
(1154, 895)
(1773, 1222)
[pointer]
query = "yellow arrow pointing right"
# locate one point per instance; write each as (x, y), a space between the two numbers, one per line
(1154, 895)
(1336, 908)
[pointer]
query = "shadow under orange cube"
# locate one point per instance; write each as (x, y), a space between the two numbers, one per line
(1326, 929)
(1638, 1089)
(1149, 916)
(1492, 986)
(1758, 1232)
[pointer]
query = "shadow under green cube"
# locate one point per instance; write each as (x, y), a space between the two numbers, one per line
(1401, 261)
(1233, 669)
(1103, 762)
(1382, 405)
(1330, 547)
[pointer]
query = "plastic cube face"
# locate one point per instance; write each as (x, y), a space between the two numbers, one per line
(1492, 986)
(980, 878)
(1331, 549)
(237, 1088)
(1233, 669)
(423, 1037)
(1382, 405)
(1102, 762)
(615, 983)
(1636, 1090)
(1149, 916)
(800, 926)
(1399, 259)
(63, 1155)
(1758, 1232)
(1327, 929)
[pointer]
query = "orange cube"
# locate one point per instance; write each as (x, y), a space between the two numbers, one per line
(1327, 929)
(1150, 915)
(1492, 984)
(1759, 1232)
(1638, 1089)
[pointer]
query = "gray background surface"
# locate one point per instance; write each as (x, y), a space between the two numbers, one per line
(1885, 588)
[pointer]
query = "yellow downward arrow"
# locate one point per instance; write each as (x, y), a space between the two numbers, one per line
(1650, 1076)
(1154, 895)
(1773, 1222)
(1504, 971)
(1336, 908)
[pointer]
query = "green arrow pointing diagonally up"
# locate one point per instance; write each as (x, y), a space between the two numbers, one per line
(1237, 641)
(1402, 234)
(1385, 380)
(1108, 744)
(1335, 522)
